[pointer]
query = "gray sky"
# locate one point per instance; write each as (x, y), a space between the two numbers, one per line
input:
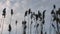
(20, 6)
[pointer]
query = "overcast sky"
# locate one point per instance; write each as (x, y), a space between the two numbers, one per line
(20, 6)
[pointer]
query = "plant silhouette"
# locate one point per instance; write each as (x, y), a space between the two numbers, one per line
(3, 14)
(55, 17)
(10, 21)
(9, 28)
(24, 26)
(16, 25)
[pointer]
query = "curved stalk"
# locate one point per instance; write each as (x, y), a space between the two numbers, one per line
(10, 23)
(2, 26)
(16, 29)
(28, 24)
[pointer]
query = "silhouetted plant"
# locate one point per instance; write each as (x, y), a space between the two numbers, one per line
(26, 13)
(40, 15)
(29, 11)
(3, 14)
(53, 26)
(31, 26)
(43, 21)
(11, 12)
(16, 22)
(16, 25)
(37, 25)
(10, 21)
(52, 12)
(41, 32)
(55, 17)
(57, 20)
(32, 15)
(54, 6)
(44, 14)
(24, 32)
(58, 12)
(36, 16)
(11, 15)
(24, 28)
(9, 28)
(24, 22)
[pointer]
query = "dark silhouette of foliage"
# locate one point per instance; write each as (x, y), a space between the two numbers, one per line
(4, 15)
(4, 12)
(43, 21)
(52, 12)
(55, 17)
(11, 11)
(16, 22)
(32, 15)
(39, 14)
(16, 25)
(44, 14)
(36, 16)
(26, 13)
(37, 25)
(24, 22)
(54, 6)
(25, 27)
(58, 12)
(9, 28)
(40, 18)
(29, 11)
(24, 32)
(41, 32)
(53, 26)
